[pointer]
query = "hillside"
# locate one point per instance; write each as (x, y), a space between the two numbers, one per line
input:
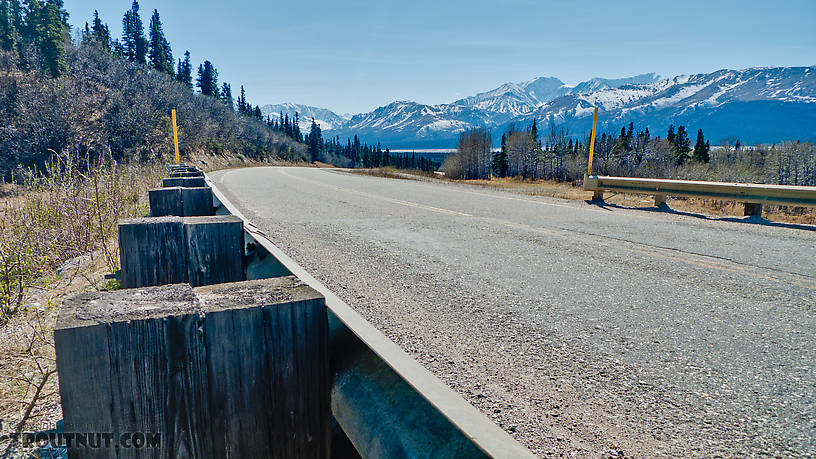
(94, 102)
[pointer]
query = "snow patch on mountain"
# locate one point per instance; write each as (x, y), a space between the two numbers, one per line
(324, 117)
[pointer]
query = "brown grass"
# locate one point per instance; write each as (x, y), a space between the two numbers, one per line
(64, 226)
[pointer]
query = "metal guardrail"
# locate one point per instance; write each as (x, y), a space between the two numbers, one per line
(749, 193)
(387, 404)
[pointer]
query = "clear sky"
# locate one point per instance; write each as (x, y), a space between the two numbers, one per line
(353, 56)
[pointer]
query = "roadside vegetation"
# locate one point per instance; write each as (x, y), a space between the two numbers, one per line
(58, 237)
(100, 96)
(85, 133)
(555, 164)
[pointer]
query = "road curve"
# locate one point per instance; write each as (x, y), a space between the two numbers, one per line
(579, 329)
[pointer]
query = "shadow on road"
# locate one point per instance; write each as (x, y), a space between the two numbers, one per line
(664, 208)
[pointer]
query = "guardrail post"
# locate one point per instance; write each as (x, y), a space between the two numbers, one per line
(659, 200)
(752, 209)
(186, 182)
(171, 250)
(233, 370)
(181, 202)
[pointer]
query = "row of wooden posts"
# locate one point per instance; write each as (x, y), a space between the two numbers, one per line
(188, 358)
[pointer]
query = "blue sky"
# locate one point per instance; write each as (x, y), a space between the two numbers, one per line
(353, 56)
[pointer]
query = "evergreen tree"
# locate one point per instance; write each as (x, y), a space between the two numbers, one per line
(737, 145)
(226, 95)
(161, 56)
(682, 145)
(184, 73)
(670, 135)
(315, 140)
(134, 42)
(53, 34)
(701, 148)
(100, 32)
(8, 39)
(242, 104)
(500, 159)
(257, 113)
(207, 80)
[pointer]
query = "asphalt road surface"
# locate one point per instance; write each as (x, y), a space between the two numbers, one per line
(581, 330)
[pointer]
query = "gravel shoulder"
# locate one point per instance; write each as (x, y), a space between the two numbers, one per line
(581, 331)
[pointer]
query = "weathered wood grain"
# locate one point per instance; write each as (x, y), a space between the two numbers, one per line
(181, 202)
(152, 251)
(187, 182)
(231, 370)
(170, 250)
(215, 249)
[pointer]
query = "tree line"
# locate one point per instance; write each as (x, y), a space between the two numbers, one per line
(356, 154)
(557, 155)
(100, 95)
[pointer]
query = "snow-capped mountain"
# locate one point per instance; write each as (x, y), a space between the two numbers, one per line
(755, 104)
(324, 117)
(520, 99)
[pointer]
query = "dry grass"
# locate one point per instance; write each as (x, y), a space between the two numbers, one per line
(58, 238)
(63, 228)
(708, 207)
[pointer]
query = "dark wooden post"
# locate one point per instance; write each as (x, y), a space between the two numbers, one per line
(232, 370)
(171, 250)
(215, 249)
(181, 202)
(187, 182)
(753, 209)
(152, 251)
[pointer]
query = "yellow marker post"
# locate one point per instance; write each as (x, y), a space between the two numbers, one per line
(592, 142)
(175, 135)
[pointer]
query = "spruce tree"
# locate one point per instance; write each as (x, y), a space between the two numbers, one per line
(134, 42)
(207, 80)
(161, 56)
(682, 145)
(670, 135)
(8, 41)
(184, 73)
(226, 95)
(315, 140)
(53, 33)
(242, 105)
(100, 32)
(701, 148)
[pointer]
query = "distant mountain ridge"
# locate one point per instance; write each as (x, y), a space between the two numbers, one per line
(324, 117)
(756, 105)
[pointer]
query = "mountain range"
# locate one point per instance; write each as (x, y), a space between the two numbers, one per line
(756, 105)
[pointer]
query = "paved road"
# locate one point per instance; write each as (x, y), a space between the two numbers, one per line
(580, 330)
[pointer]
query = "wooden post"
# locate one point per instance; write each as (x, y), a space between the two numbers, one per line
(181, 202)
(171, 250)
(234, 370)
(659, 200)
(752, 209)
(152, 251)
(187, 182)
(193, 173)
(215, 249)
(267, 342)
